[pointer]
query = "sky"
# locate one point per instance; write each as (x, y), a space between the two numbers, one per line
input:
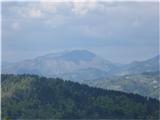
(121, 32)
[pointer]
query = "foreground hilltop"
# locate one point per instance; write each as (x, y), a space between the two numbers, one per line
(34, 97)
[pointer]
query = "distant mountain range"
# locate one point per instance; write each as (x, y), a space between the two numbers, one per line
(86, 67)
(149, 65)
(70, 65)
(78, 63)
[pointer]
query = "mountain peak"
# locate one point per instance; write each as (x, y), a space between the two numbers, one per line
(78, 55)
(72, 55)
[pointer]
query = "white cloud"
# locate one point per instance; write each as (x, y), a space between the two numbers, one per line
(83, 7)
(35, 13)
(35, 9)
(56, 21)
(48, 6)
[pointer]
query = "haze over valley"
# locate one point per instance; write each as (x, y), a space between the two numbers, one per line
(80, 60)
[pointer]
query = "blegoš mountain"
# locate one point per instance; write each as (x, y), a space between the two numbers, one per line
(83, 66)
(69, 65)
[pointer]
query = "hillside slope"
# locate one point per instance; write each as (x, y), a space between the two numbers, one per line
(34, 97)
(146, 84)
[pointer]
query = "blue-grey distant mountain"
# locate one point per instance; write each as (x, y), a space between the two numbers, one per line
(150, 65)
(86, 67)
(72, 65)
(137, 77)
(78, 65)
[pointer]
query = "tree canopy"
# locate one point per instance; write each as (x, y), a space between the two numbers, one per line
(35, 97)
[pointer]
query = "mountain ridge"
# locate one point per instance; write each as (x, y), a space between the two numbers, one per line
(87, 66)
(60, 63)
(74, 61)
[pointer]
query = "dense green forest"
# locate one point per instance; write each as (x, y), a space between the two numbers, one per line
(34, 97)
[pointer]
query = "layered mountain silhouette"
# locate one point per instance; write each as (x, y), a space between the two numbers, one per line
(71, 65)
(83, 66)
(149, 65)
(78, 63)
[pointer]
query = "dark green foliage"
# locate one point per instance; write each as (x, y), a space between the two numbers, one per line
(34, 97)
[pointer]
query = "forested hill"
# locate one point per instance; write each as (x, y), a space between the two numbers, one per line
(34, 97)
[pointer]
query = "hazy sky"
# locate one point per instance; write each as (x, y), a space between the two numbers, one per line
(118, 31)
